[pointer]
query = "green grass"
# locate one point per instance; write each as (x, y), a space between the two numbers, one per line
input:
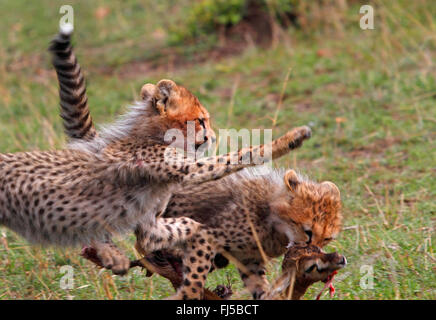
(369, 95)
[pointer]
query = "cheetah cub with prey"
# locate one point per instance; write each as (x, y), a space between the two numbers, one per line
(279, 208)
(92, 190)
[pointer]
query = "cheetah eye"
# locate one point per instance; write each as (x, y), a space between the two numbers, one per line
(201, 121)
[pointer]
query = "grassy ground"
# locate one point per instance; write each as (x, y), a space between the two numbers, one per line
(369, 95)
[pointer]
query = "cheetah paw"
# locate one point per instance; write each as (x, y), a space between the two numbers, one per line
(107, 255)
(298, 135)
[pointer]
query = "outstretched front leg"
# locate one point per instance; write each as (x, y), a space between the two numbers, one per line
(214, 168)
(170, 166)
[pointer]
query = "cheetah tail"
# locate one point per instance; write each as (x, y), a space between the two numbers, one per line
(72, 88)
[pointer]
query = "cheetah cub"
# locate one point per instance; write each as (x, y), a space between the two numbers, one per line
(92, 190)
(281, 208)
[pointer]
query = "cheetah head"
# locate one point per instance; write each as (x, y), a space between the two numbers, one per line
(312, 212)
(175, 107)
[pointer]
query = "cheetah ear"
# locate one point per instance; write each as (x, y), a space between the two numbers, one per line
(148, 91)
(332, 188)
(165, 89)
(292, 180)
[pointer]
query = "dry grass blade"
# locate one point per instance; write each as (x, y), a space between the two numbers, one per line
(282, 94)
(382, 215)
(283, 287)
(236, 262)
(232, 99)
(106, 286)
(256, 238)
(291, 286)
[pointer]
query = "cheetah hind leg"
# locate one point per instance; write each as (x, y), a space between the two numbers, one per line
(107, 255)
(197, 262)
(168, 264)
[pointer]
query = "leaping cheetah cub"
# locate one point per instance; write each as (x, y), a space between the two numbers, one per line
(124, 177)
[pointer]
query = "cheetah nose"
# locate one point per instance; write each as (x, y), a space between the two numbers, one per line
(343, 261)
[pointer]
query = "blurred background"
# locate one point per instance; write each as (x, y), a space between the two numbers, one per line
(370, 96)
